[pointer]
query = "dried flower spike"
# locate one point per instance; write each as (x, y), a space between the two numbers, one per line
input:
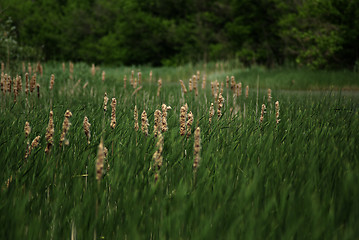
(113, 113)
(144, 123)
(158, 122)
(105, 100)
(196, 148)
(135, 116)
(183, 117)
(262, 113)
(189, 123)
(277, 111)
(50, 133)
(87, 125)
(100, 161)
(65, 126)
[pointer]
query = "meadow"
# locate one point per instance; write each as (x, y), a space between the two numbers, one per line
(289, 172)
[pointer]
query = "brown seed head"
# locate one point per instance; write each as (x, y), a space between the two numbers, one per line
(100, 161)
(196, 148)
(27, 129)
(65, 126)
(52, 81)
(277, 111)
(158, 122)
(144, 123)
(87, 125)
(189, 123)
(113, 113)
(211, 112)
(50, 133)
(184, 89)
(105, 100)
(135, 116)
(220, 105)
(183, 117)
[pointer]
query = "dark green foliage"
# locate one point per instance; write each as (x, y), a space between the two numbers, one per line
(318, 34)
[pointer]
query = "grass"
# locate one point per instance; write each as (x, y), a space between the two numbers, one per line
(294, 180)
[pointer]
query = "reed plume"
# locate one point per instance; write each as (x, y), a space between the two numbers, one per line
(26, 83)
(211, 113)
(204, 81)
(100, 161)
(93, 70)
(19, 83)
(132, 77)
(183, 117)
(29, 69)
(157, 156)
(50, 133)
(262, 113)
(197, 148)
(52, 81)
(227, 82)
(189, 124)
(113, 113)
(247, 91)
(164, 117)
(150, 76)
(87, 125)
(135, 83)
(139, 78)
(184, 89)
(277, 112)
(65, 126)
(190, 85)
(33, 145)
(144, 123)
(103, 76)
(71, 69)
(15, 89)
(2, 67)
(27, 129)
(135, 116)
(105, 100)
(239, 92)
(158, 122)
(33, 83)
(220, 105)
(136, 90)
(194, 78)
(233, 83)
(23, 67)
(159, 87)
(269, 93)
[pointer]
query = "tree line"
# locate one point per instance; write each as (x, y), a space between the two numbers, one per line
(318, 34)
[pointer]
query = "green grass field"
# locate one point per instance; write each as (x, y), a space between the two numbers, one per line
(294, 180)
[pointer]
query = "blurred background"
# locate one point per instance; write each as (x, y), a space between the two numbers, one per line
(318, 34)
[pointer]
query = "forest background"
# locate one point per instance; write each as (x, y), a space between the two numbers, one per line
(320, 34)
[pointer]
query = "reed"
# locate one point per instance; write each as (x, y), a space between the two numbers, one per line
(190, 120)
(86, 126)
(183, 86)
(158, 122)
(159, 87)
(65, 127)
(113, 113)
(50, 133)
(183, 117)
(135, 116)
(277, 112)
(144, 123)
(196, 148)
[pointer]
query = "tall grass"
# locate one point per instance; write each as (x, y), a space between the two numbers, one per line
(295, 179)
